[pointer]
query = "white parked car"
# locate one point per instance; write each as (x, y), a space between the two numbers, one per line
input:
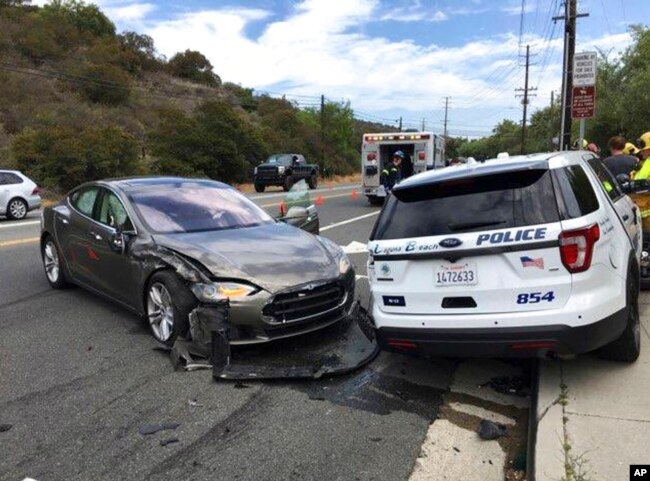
(18, 194)
(528, 256)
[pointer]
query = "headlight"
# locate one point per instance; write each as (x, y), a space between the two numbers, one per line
(255, 171)
(344, 264)
(281, 169)
(220, 291)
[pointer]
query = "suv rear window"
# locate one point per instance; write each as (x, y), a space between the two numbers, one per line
(513, 199)
(576, 196)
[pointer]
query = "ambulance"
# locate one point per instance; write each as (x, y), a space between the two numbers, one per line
(425, 150)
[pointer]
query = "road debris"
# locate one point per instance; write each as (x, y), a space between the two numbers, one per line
(194, 403)
(5, 427)
(165, 442)
(513, 385)
(489, 430)
(146, 429)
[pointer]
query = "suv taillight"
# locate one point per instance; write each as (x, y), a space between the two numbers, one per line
(577, 246)
(36, 191)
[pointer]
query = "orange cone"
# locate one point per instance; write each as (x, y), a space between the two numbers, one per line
(283, 209)
(319, 200)
(354, 195)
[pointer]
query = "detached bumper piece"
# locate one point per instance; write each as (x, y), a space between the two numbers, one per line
(338, 349)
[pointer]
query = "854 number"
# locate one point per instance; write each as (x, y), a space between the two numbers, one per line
(535, 297)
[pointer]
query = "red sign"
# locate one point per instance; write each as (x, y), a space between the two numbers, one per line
(584, 102)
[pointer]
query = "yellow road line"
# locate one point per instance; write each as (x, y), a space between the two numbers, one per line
(347, 194)
(16, 242)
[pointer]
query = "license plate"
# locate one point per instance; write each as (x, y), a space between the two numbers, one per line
(461, 274)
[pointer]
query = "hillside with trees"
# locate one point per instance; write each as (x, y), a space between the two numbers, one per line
(80, 101)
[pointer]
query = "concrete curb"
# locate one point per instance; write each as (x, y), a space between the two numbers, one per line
(548, 464)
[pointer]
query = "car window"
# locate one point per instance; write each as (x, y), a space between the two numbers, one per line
(576, 197)
(112, 212)
(9, 178)
(466, 205)
(193, 207)
(84, 200)
(607, 181)
(279, 159)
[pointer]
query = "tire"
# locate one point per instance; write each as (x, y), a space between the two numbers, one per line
(288, 183)
(17, 209)
(167, 305)
(259, 188)
(54, 265)
(374, 200)
(313, 181)
(628, 346)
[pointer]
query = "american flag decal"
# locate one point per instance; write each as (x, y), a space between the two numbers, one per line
(530, 262)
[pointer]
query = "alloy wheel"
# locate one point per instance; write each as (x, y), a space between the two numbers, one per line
(160, 312)
(17, 209)
(51, 261)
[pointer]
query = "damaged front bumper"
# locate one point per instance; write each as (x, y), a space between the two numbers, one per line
(344, 347)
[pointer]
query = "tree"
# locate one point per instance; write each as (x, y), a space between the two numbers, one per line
(64, 157)
(86, 17)
(106, 84)
(193, 65)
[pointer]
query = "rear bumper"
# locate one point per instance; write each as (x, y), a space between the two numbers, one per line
(33, 202)
(536, 341)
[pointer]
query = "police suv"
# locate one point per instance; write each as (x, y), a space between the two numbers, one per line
(530, 256)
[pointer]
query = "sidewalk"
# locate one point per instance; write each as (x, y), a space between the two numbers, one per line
(594, 415)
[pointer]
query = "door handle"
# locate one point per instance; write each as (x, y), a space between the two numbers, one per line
(95, 236)
(626, 217)
(64, 221)
(634, 211)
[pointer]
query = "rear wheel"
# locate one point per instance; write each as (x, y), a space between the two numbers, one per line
(313, 181)
(17, 209)
(52, 262)
(628, 346)
(288, 183)
(259, 187)
(168, 303)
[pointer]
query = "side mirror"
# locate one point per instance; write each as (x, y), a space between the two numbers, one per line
(305, 218)
(636, 186)
(623, 178)
(117, 242)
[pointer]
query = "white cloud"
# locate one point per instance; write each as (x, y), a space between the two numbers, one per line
(129, 13)
(414, 12)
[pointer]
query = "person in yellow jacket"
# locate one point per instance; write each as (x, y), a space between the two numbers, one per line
(643, 153)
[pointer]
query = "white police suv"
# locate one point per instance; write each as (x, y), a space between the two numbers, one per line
(531, 256)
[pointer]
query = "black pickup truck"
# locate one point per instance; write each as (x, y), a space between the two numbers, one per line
(285, 170)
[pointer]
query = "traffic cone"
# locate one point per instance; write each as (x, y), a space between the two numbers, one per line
(319, 200)
(354, 195)
(283, 209)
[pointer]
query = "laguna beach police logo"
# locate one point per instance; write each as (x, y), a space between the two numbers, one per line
(385, 269)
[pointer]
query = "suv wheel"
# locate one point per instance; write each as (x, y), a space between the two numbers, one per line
(313, 181)
(288, 183)
(259, 187)
(168, 303)
(628, 346)
(17, 209)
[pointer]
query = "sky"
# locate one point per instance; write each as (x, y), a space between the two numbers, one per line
(389, 58)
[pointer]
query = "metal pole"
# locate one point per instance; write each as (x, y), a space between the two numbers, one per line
(525, 102)
(582, 134)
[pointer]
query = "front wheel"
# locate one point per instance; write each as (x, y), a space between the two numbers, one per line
(168, 304)
(259, 188)
(288, 183)
(52, 262)
(628, 346)
(17, 209)
(313, 181)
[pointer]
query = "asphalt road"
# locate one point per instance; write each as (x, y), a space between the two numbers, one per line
(78, 375)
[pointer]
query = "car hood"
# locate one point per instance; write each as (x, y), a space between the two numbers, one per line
(272, 256)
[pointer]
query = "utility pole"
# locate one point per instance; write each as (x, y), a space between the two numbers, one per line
(400, 123)
(550, 126)
(525, 101)
(423, 124)
(322, 133)
(444, 135)
(570, 16)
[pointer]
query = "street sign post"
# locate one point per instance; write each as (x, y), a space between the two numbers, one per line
(583, 105)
